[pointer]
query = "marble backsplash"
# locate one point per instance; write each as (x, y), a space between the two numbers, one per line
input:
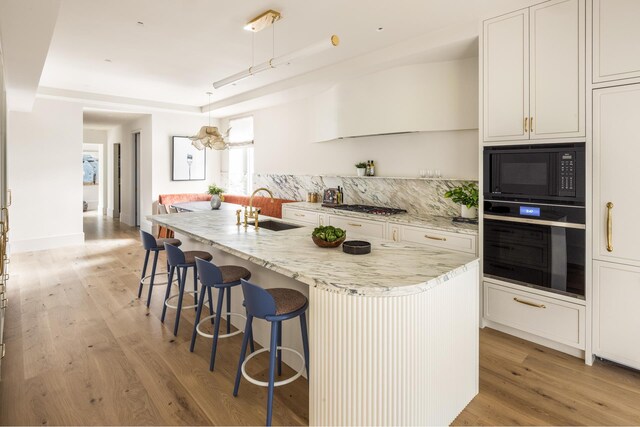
(419, 196)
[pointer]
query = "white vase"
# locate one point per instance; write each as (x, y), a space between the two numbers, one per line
(466, 212)
(361, 171)
(215, 201)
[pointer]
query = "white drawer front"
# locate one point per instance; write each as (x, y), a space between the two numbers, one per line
(442, 239)
(301, 216)
(556, 320)
(359, 226)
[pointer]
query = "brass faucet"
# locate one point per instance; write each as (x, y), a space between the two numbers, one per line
(253, 214)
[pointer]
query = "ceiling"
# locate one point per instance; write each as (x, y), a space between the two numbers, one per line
(104, 120)
(180, 47)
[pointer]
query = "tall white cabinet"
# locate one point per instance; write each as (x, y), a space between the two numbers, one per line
(534, 73)
(616, 234)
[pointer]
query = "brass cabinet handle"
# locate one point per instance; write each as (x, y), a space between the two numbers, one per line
(531, 126)
(609, 227)
(354, 225)
(3, 347)
(532, 304)
(299, 214)
(395, 235)
(443, 239)
(526, 119)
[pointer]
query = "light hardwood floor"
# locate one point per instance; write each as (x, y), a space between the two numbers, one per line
(81, 349)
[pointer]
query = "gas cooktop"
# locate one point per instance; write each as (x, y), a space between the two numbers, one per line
(375, 210)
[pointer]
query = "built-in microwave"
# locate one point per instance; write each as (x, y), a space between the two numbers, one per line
(535, 173)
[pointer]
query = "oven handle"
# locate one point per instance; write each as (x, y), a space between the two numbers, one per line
(535, 221)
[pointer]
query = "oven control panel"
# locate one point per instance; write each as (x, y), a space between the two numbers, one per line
(567, 174)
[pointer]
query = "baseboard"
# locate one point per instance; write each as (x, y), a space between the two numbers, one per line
(536, 339)
(44, 243)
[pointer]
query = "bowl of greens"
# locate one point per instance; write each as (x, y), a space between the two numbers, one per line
(329, 236)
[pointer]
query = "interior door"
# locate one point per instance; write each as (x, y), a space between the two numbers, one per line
(616, 145)
(557, 73)
(506, 77)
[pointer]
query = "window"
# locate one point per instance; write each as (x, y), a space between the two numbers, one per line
(240, 179)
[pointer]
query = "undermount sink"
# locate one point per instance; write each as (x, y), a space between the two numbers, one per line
(276, 225)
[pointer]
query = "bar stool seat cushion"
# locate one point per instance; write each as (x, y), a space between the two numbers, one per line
(190, 256)
(233, 273)
(174, 242)
(287, 300)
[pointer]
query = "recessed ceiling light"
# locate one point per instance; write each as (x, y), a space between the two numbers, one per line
(380, 29)
(107, 60)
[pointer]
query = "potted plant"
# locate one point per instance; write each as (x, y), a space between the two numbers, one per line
(216, 196)
(361, 168)
(466, 195)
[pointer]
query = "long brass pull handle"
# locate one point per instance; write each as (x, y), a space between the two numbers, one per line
(299, 214)
(355, 225)
(531, 125)
(609, 227)
(443, 239)
(10, 197)
(532, 304)
(395, 235)
(526, 119)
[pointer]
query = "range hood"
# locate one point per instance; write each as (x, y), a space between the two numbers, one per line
(441, 96)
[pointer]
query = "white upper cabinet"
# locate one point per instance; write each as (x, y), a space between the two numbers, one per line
(557, 73)
(616, 40)
(506, 76)
(534, 73)
(616, 146)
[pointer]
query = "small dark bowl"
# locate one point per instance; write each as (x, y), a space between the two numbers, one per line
(356, 247)
(325, 244)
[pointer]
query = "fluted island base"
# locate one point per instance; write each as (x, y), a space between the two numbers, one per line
(406, 360)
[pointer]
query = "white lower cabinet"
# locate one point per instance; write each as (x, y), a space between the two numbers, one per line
(616, 321)
(441, 239)
(363, 227)
(301, 217)
(549, 318)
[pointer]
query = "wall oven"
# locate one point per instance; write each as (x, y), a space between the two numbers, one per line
(535, 173)
(542, 246)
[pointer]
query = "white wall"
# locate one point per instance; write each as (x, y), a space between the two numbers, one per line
(45, 175)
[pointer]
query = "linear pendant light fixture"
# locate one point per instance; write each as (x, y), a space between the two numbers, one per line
(261, 22)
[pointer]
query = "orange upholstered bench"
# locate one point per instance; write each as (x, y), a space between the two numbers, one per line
(169, 199)
(267, 208)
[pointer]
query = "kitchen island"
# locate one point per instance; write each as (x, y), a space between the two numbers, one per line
(393, 334)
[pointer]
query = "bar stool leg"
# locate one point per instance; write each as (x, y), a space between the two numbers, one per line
(168, 292)
(216, 329)
(144, 272)
(195, 285)
(305, 342)
(248, 331)
(198, 314)
(180, 298)
(272, 369)
(210, 304)
(229, 311)
(279, 353)
(153, 276)
(251, 344)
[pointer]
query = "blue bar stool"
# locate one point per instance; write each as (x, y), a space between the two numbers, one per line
(151, 244)
(273, 305)
(179, 262)
(222, 278)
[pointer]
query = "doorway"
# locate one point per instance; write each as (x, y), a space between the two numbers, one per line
(136, 178)
(117, 181)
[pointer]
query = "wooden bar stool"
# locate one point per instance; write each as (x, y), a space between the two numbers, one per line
(151, 244)
(179, 262)
(222, 278)
(273, 305)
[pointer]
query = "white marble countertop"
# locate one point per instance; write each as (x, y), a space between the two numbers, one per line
(390, 269)
(435, 222)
